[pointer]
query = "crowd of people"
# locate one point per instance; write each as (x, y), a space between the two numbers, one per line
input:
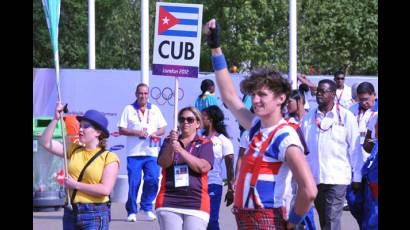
(293, 157)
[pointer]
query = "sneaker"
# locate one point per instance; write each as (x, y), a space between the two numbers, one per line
(147, 216)
(132, 217)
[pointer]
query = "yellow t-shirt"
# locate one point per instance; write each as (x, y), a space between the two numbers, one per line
(94, 172)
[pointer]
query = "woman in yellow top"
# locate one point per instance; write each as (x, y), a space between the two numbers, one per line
(91, 207)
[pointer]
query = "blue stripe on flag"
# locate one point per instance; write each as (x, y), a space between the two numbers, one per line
(180, 9)
(179, 33)
(266, 189)
(273, 151)
(188, 22)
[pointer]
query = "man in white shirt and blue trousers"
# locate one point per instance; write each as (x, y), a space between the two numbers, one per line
(143, 124)
(331, 133)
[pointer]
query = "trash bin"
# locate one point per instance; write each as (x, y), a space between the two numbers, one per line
(48, 194)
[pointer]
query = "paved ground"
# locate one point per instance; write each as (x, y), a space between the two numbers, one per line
(53, 220)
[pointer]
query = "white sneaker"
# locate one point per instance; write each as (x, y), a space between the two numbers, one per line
(132, 217)
(147, 216)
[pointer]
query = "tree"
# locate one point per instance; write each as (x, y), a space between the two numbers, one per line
(332, 35)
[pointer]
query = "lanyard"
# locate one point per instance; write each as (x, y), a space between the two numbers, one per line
(359, 119)
(136, 107)
(318, 122)
(295, 122)
(191, 148)
(339, 98)
(300, 120)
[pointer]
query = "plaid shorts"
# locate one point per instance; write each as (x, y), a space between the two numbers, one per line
(260, 219)
(87, 216)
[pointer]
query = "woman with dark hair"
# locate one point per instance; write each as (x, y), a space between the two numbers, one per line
(214, 129)
(296, 112)
(207, 97)
(275, 151)
(89, 195)
(295, 106)
(183, 200)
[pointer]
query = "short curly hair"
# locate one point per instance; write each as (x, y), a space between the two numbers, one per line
(270, 78)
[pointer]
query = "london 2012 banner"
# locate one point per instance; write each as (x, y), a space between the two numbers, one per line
(177, 41)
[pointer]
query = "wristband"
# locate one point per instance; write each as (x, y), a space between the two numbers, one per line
(219, 62)
(295, 218)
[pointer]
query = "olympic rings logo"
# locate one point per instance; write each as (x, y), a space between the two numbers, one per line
(165, 95)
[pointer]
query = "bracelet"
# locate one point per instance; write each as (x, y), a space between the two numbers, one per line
(219, 62)
(295, 218)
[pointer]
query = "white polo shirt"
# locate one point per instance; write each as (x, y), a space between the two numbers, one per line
(371, 125)
(363, 120)
(222, 147)
(344, 96)
(335, 152)
(151, 120)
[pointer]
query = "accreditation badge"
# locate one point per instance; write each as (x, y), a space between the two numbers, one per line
(181, 176)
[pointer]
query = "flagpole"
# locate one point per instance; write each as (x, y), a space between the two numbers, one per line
(56, 60)
(52, 12)
(176, 104)
(91, 34)
(145, 41)
(292, 43)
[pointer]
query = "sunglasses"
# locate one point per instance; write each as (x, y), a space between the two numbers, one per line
(339, 78)
(321, 91)
(85, 125)
(190, 120)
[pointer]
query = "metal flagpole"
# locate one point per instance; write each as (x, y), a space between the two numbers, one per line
(176, 104)
(292, 43)
(91, 34)
(145, 41)
(52, 11)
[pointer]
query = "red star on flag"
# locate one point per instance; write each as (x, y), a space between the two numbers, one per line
(166, 20)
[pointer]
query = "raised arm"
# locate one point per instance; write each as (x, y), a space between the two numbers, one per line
(223, 78)
(46, 139)
(302, 78)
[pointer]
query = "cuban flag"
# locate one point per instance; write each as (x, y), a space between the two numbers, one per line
(178, 21)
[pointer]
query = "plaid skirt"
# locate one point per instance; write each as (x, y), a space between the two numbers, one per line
(260, 219)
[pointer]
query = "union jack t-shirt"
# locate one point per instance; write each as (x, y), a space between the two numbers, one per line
(274, 180)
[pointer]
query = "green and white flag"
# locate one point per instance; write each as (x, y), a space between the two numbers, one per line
(52, 12)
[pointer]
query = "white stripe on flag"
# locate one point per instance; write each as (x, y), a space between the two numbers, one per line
(185, 16)
(266, 177)
(184, 28)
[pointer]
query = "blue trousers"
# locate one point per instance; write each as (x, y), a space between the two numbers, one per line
(87, 217)
(215, 195)
(135, 165)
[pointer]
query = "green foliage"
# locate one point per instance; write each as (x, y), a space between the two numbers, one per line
(332, 35)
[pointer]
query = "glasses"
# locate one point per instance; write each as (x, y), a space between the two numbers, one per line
(339, 78)
(85, 125)
(322, 91)
(190, 120)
